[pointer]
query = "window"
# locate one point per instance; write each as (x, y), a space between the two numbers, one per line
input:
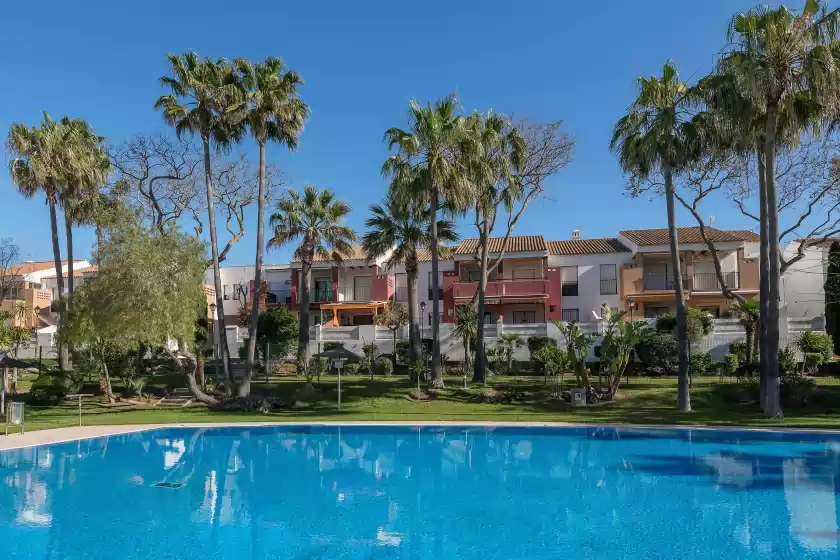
(654, 312)
(528, 317)
(239, 292)
(569, 280)
(570, 315)
(401, 287)
(488, 318)
(714, 311)
(323, 290)
(440, 286)
(225, 292)
(440, 318)
(525, 274)
(609, 282)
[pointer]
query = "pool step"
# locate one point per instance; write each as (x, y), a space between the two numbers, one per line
(176, 399)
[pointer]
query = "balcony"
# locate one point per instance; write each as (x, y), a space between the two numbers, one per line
(278, 296)
(401, 293)
(322, 295)
(504, 288)
(358, 293)
(660, 281)
(708, 282)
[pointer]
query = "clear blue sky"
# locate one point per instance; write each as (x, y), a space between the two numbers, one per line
(362, 62)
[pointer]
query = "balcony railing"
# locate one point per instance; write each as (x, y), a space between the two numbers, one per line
(660, 281)
(322, 295)
(279, 296)
(401, 293)
(503, 288)
(609, 286)
(708, 281)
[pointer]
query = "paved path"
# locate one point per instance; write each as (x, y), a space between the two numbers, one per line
(59, 435)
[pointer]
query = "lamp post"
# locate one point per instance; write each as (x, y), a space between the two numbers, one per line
(215, 339)
(37, 317)
(422, 311)
(631, 303)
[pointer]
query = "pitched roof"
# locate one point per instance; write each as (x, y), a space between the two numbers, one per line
(28, 267)
(425, 254)
(746, 235)
(659, 236)
(77, 272)
(516, 244)
(586, 246)
(357, 253)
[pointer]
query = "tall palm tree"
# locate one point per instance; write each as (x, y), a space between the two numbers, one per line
(491, 153)
(424, 171)
(650, 139)
(782, 59)
(206, 99)
(402, 230)
(38, 166)
(316, 219)
(276, 114)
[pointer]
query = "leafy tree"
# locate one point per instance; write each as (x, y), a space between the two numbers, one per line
(280, 328)
(578, 344)
(651, 139)
(276, 114)
(317, 220)
(550, 360)
(206, 99)
(393, 317)
(465, 328)
(620, 337)
(424, 171)
(507, 345)
(401, 230)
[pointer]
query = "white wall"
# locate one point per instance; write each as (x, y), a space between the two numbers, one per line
(589, 298)
(706, 264)
(232, 276)
(802, 290)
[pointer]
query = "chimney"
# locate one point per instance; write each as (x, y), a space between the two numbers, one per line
(576, 234)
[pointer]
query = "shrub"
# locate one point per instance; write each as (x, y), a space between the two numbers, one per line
(549, 360)
(739, 349)
(351, 368)
(535, 343)
(384, 366)
(787, 362)
(133, 386)
(331, 346)
(698, 323)
(812, 361)
(701, 363)
(657, 349)
(820, 344)
(402, 350)
(52, 387)
(730, 364)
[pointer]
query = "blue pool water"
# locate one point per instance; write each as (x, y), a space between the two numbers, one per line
(405, 493)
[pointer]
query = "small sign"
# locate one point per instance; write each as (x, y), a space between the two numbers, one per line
(14, 416)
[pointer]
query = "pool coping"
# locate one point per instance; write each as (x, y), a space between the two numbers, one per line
(78, 433)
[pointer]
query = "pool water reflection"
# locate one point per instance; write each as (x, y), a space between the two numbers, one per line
(377, 492)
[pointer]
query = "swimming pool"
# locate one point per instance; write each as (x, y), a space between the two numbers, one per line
(367, 492)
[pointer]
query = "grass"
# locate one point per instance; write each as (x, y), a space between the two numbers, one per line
(644, 401)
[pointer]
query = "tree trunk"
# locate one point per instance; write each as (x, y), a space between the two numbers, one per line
(63, 355)
(305, 296)
(749, 335)
(99, 238)
(773, 405)
(256, 292)
(480, 371)
(437, 379)
(394, 356)
(199, 369)
(415, 351)
(217, 276)
(105, 381)
(68, 234)
(763, 277)
(189, 373)
(683, 395)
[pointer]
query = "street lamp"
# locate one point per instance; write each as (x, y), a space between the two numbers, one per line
(631, 303)
(422, 311)
(215, 339)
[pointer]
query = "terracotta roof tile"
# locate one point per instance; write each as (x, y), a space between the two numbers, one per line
(746, 235)
(586, 246)
(77, 272)
(357, 253)
(29, 267)
(659, 236)
(518, 244)
(425, 255)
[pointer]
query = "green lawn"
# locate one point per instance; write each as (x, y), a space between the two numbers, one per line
(644, 401)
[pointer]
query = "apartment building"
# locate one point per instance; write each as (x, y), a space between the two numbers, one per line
(35, 284)
(803, 285)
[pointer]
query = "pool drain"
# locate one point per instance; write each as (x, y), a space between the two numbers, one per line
(168, 484)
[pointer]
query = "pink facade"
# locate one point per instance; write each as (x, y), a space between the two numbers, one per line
(382, 285)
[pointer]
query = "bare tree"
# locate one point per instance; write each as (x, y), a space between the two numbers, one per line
(10, 268)
(161, 176)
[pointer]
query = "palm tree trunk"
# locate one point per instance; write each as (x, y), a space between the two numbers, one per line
(394, 348)
(437, 379)
(763, 277)
(217, 275)
(256, 293)
(199, 369)
(683, 396)
(305, 296)
(773, 405)
(480, 371)
(414, 338)
(68, 234)
(63, 355)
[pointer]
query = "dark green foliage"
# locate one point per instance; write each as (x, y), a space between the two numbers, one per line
(549, 360)
(657, 349)
(701, 363)
(52, 387)
(330, 346)
(351, 368)
(832, 296)
(787, 362)
(402, 350)
(535, 343)
(731, 363)
(819, 344)
(278, 327)
(739, 349)
(698, 323)
(384, 366)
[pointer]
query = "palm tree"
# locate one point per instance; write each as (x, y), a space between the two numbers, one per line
(402, 230)
(316, 219)
(465, 328)
(780, 60)
(650, 138)
(490, 153)
(424, 171)
(748, 313)
(37, 167)
(274, 114)
(206, 99)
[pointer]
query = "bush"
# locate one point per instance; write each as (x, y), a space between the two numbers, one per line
(820, 344)
(384, 366)
(402, 350)
(351, 368)
(549, 360)
(787, 362)
(698, 323)
(730, 364)
(536, 343)
(331, 346)
(657, 349)
(739, 349)
(52, 387)
(813, 360)
(133, 386)
(701, 363)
